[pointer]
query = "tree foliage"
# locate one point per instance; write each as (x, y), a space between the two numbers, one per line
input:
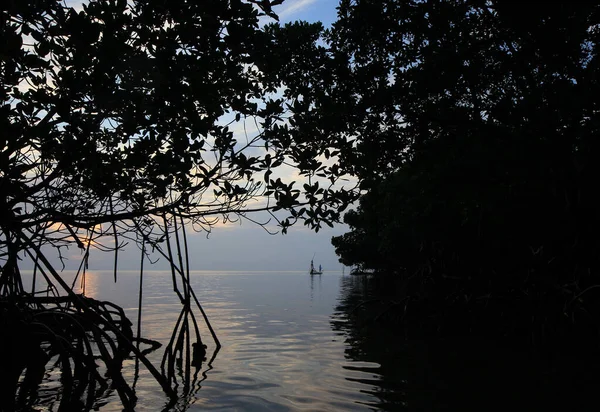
(476, 137)
(124, 110)
(128, 121)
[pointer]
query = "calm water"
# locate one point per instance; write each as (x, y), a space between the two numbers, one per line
(289, 345)
(280, 351)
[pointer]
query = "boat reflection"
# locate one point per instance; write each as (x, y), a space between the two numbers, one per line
(312, 286)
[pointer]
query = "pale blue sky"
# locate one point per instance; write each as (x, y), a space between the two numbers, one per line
(309, 10)
(249, 247)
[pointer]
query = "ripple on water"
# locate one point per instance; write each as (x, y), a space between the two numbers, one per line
(279, 351)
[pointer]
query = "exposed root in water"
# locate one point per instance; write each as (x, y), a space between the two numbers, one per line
(185, 349)
(66, 351)
(74, 342)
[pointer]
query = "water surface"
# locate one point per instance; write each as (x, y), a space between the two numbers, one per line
(279, 350)
(291, 343)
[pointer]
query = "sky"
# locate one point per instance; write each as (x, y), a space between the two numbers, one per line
(309, 10)
(248, 246)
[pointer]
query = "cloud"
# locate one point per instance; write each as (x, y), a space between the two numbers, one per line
(292, 7)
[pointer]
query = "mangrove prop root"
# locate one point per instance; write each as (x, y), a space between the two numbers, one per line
(37, 329)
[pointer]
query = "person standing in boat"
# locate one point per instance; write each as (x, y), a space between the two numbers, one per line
(320, 269)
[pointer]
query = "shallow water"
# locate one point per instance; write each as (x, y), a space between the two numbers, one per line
(289, 344)
(279, 350)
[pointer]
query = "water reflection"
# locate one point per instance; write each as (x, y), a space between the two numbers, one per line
(455, 373)
(279, 352)
(314, 279)
(294, 342)
(89, 284)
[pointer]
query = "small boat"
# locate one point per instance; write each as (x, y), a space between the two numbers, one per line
(314, 271)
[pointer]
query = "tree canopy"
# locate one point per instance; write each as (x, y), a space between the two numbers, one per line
(130, 111)
(471, 127)
(476, 135)
(130, 121)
